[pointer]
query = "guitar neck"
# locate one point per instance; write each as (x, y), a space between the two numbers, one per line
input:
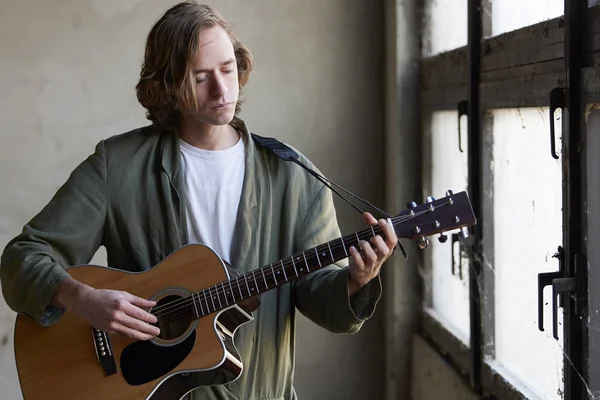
(436, 216)
(281, 272)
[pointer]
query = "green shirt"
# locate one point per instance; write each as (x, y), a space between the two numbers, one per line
(128, 197)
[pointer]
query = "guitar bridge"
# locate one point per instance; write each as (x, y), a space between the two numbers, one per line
(104, 352)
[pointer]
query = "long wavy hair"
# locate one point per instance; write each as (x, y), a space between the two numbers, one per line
(166, 88)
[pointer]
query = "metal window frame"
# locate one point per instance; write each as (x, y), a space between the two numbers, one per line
(517, 69)
(574, 199)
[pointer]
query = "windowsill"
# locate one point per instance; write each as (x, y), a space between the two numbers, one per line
(496, 380)
(446, 341)
(447, 325)
(502, 384)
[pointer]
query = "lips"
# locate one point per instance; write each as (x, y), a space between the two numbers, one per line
(221, 106)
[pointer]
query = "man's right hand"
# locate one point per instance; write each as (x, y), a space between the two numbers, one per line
(112, 311)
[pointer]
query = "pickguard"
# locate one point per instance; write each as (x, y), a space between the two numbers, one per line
(144, 361)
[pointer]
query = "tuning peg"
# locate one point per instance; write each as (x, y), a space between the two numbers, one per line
(411, 204)
(464, 232)
(423, 242)
(443, 238)
(429, 199)
(449, 193)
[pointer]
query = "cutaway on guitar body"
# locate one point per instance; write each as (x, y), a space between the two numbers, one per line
(70, 359)
(178, 385)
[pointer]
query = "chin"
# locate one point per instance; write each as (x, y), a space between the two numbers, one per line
(214, 118)
(222, 119)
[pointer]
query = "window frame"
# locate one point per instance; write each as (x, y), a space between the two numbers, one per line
(517, 69)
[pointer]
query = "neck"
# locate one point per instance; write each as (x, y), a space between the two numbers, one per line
(254, 282)
(208, 137)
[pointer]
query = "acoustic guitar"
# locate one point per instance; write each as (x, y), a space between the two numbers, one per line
(198, 314)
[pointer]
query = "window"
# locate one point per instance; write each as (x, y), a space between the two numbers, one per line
(450, 290)
(527, 218)
(446, 26)
(508, 15)
(521, 197)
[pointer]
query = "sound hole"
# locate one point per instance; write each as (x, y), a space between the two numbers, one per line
(175, 314)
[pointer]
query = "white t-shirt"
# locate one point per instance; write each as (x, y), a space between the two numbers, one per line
(213, 186)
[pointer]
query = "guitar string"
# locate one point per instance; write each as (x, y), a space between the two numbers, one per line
(180, 308)
(215, 294)
(234, 284)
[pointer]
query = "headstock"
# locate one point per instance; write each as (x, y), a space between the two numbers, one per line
(435, 216)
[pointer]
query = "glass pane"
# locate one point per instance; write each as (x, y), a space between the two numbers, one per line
(509, 15)
(527, 233)
(445, 27)
(592, 148)
(450, 293)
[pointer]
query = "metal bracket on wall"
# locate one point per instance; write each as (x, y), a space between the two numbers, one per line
(561, 285)
(557, 100)
(464, 241)
(463, 109)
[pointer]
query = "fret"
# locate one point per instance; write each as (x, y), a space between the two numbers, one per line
(206, 301)
(318, 259)
(200, 303)
(306, 262)
(231, 290)
(239, 288)
(330, 252)
(274, 276)
(357, 240)
(344, 246)
(212, 300)
(373, 230)
(248, 286)
(255, 283)
(283, 268)
(294, 264)
(264, 278)
(195, 308)
(218, 297)
(224, 293)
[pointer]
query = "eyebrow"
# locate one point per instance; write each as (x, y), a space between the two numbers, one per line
(231, 61)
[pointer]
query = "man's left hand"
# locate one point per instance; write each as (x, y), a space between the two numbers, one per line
(365, 265)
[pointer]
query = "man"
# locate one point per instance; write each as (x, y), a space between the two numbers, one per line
(193, 176)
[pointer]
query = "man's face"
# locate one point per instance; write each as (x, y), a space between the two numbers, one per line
(216, 78)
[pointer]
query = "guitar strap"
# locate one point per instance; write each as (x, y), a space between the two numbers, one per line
(288, 154)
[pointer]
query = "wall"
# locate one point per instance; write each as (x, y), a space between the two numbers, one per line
(68, 74)
(403, 183)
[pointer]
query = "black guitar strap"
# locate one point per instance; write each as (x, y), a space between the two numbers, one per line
(287, 154)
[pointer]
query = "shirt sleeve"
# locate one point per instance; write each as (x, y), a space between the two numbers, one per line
(322, 296)
(66, 232)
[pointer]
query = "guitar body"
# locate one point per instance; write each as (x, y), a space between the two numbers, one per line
(70, 359)
(199, 308)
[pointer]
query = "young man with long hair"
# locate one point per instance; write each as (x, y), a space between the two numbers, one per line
(194, 175)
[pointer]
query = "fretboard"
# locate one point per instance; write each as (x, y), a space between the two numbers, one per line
(230, 292)
(435, 216)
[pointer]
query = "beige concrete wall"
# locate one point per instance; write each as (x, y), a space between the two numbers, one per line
(67, 73)
(403, 164)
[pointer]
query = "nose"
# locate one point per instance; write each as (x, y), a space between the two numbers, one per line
(219, 88)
